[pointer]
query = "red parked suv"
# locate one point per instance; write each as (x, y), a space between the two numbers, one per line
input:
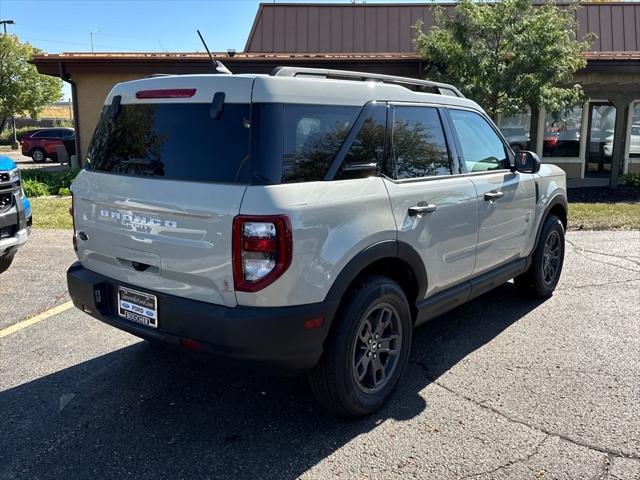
(41, 144)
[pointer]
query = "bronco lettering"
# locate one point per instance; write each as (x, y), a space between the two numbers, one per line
(129, 219)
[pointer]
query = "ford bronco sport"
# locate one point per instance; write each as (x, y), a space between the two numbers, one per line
(15, 213)
(307, 219)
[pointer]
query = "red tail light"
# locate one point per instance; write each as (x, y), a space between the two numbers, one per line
(73, 220)
(167, 93)
(262, 250)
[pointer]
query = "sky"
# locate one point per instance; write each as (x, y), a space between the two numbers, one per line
(134, 25)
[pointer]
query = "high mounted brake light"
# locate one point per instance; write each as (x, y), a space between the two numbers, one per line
(262, 250)
(167, 93)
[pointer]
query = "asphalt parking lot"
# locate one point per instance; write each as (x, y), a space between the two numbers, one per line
(24, 162)
(504, 387)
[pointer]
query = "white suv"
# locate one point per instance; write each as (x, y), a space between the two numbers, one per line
(307, 219)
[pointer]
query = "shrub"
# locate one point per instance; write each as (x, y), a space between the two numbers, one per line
(40, 182)
(34, 188)
(631, 179)
(64, 192)
(6, 136)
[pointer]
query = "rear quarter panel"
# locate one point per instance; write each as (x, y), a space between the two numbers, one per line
(331, 223)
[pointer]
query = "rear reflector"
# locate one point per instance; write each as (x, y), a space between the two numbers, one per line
(190, 344)
(313, 323)
(167, 93)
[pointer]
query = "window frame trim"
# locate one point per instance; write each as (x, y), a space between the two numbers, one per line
(338, 160)
(454, 133)
(451, 150)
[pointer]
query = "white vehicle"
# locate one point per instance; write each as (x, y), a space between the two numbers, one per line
(307, 219)
(634, 143)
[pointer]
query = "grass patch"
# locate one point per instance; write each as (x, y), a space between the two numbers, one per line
(604, 216)
(51, 212)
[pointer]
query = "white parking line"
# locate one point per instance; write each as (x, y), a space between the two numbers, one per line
(38, 318)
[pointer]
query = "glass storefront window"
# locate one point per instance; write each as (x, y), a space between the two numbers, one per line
(562, 133)
(634, 141)
(515, 129)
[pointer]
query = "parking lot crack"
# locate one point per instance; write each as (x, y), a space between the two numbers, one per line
(567, 438)
(604, 472)
(605, 284)
(522, 459)
(582, 252)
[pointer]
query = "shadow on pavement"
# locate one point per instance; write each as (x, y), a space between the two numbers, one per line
(148, 413)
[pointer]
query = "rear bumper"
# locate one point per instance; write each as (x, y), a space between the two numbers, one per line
(273, 336)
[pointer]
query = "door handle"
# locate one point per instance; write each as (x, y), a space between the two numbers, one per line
(493, 195)
(421, 209)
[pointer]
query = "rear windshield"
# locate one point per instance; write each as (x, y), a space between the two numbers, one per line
(176, 141)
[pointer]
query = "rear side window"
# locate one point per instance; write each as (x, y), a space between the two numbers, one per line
(313, 135)
(419, 146)
(46, 134)
(481, 147)
(176, 141)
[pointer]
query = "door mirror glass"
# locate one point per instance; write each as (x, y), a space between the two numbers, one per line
(526, 162)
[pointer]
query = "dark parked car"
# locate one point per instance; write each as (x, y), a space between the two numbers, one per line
(518, 137)
(41, 144)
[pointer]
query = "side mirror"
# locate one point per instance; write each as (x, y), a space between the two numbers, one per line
(526, 162)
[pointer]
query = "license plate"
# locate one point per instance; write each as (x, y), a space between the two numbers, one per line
(138, 307)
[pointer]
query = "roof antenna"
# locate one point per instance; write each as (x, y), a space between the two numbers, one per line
(217, 66)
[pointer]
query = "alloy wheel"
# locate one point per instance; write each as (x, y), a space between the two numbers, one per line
(551, 257)
(377, 348)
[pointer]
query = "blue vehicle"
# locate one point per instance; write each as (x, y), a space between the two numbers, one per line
(15, 213)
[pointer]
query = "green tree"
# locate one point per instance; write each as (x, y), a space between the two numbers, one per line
(22, 88)
(507, 55)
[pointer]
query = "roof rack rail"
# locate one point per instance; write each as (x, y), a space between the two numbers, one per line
(441, 88)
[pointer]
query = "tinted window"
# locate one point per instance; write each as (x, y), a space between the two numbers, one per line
(481, 147)
(367, 147)
(66, 133)
(178, 141)
(47, 134)
(313, 134)
(419, 146)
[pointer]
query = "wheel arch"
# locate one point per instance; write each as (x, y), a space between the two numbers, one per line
(558, 206)
(394, 259)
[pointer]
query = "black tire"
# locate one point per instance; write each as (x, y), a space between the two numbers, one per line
(5, 262)
(543, 275)
(376, 301)
(38, 155)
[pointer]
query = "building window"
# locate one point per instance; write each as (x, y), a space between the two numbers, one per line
(634, 140)
(562, 133)
(516, 129)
